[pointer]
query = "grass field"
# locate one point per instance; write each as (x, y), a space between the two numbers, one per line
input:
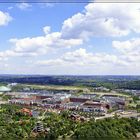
(55, 87)
(111, 93)
(79, 90)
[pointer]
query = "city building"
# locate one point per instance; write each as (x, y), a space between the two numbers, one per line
(4, 89)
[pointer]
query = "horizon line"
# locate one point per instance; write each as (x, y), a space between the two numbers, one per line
(69, 75)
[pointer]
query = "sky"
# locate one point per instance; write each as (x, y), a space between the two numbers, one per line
(70, 39)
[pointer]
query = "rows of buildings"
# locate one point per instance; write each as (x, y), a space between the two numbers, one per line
(65, 101)
(130, 91)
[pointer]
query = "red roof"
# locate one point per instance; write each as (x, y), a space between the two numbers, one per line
(27, 99)
(82, 100)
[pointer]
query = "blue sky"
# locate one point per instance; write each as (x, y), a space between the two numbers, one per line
(84, 39)
(25, 21)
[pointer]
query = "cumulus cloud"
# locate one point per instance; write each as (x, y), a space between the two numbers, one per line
(39, 45)
(83, 58)
(96, 20)
(129, 49)
(47, 29)
(5, 18)
(5, 55)
(50, 62)
(88, 58)
(129, 46)
(42, 44)
(107, 19)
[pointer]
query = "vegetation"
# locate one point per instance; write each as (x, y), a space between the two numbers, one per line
(135, 98)
(117, 128)
(2, 84)
(111, 82)
(15, 125)
(5, 97)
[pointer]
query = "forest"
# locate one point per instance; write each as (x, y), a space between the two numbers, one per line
(111, 82)
(15, 125)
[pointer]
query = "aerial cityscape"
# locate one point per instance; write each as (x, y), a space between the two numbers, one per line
(53, 107)
(69, 71)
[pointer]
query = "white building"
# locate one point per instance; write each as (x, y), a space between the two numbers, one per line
(4, 89)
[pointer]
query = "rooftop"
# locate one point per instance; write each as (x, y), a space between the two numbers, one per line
(4, 89)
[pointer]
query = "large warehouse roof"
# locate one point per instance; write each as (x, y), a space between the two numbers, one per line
(4, 89)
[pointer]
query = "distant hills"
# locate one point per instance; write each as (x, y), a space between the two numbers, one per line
(109, 81)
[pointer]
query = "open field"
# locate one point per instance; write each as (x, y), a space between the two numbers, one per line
(54, 87)
(72, 88)
(112, 93)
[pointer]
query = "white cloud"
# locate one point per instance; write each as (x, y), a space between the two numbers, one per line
(83, 58)
(107, 19)
(47, 29)
(97, 20)
(82, 62)
(10, 7)
(5, 55)
(130, 50)
(24, 6)
(42, 44)
(129, 46)
(39, 45)
(5, 18)
(50, 62)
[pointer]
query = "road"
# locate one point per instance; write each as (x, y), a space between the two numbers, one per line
(127, 115)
